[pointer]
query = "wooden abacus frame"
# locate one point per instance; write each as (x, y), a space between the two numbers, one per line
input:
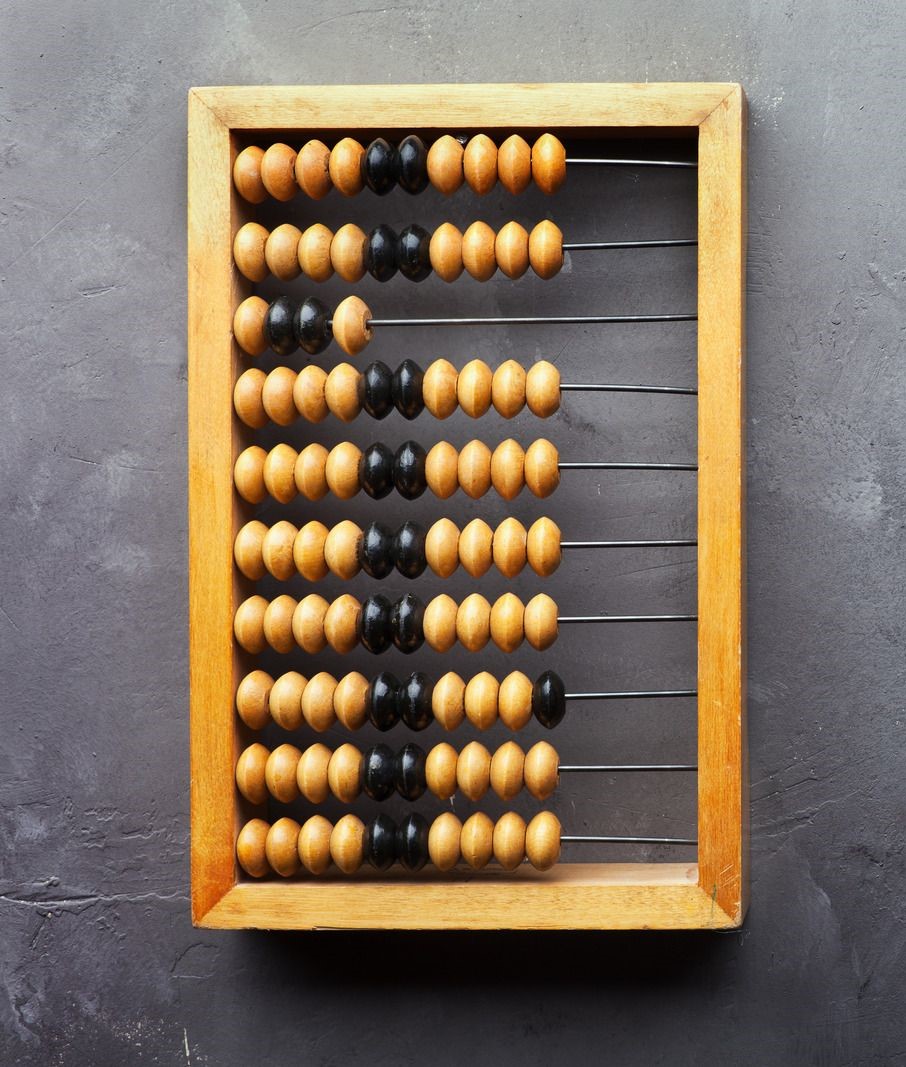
(710, 893)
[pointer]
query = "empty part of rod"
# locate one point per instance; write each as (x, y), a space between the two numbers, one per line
(596, 246)
(573, 160)
(626, 618)
(628, 544)
(594, 388)
(607, 768)
(601, 839)
(595, 465)
(640, 694)
(529, 320)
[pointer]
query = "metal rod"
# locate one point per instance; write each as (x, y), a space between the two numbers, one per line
(531, 320)
(594, 246)
(570, 160)
(591, 388)
(607, 768)
(626, 618)
(628, 544)
(572, 839)
(643, 694)
(596, 466)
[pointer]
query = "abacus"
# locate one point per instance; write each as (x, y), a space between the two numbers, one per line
(302, 253)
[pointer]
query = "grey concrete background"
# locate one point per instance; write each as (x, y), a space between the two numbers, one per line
(98, 961)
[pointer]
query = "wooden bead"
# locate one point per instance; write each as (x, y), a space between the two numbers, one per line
(514, 164)
(309, 393)
(251, 848)
(344, 773)
(542, 473)
(279, 472)
(341, 549)
(473, 771)
(439, 623)
(250, 773)
(347, 844)
(345, 166)
(247, 175)
(443, 841)
(311, 773)
(308, 623)
(247, 394)
(347, 252)
(278, 171)
(445, 252)
(475, 548)
(342, 392)
(473, 388)
(542, 841)
(282, 847)
(442, 470)
(479, 164)
(542, 770)
(507, 469)
(280, 773)
(548, 163)
(285, 701)
(442, 547)
(342, 470)
(546, 249)
(509, 547)
(317, 702)
(350, 325)
(248, 474)
(511, 250)
(440, 770)
(248, 624)
(542, 389)
(439, 388)
(506, 622)
(540, 622)
(313, 170)
(509, 840)
(448, 700)
(473, 622)
(314, 844)
(474, 469)
(543, 547)
(514, 701)
(310, 472)
(308, 551)
(481, 700)
(248, 251)
(478, 255)
(341, 623)
(508, 389)
(277, 550)
(252, 696)
(350, 702)
(445, 164)
(277, 396)
(282, 252)
(247, 550)
(506, 770)
(248, 325)
(477, 840)
(278, 623)
(313, 252)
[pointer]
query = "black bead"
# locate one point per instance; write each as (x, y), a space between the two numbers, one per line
(380, 166)
(379, 772)
(407, 622)
(414, 701)
(376, 390)
(549, 699)
(413, 254)
(376, 468)
(410, 772)
(382, 701)
(376, 553)
(381, 253)
(375, 629)
(409, 470)
(380, 842)
(408, 382)
(412, 842)
(409, 550)
(311, 326)
(413, 157)
(278, 326)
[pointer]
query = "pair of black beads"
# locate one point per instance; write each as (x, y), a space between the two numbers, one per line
(380, 550)
(408, 252)
(288, 326)
(387, 842)
(385, 165)
(390, 701)
(385, 772)
(382, 389)
(381, 471)
(383, 623)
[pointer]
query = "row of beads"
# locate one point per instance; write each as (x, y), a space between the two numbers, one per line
(286, 773)
(377, 623)
(286, 847)
(318, 252)
(321, 701)
(283, 395)
(314, 551)
(346, 469)
(348, 167)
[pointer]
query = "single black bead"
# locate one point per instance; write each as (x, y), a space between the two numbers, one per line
(407, 623)
(376, 390)
(409, 550)
(376, 471)
(311, 326)
(549, 699)
(413, 157)
(375, 625)
(410, 772)
(382, 700)
(408, 382)
(380, 842)
(379, 772)
(278, 326)
(409, 470)
(412, 842)
(414, 701)
(376, 552)
(413, 254)
(380, 166)
(380, 253)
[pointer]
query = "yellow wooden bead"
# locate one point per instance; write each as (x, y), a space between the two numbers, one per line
(478, 254)
(508, 389)
(439, 388)
(509, 840)
(542, 770)
(548, 163)
(344, 773)
(317, 702)
(546, 249)
(345, 166)
(473, 388)
(479, 164)
(473, 622)
(311, 774)
(511, 249)
(250, 773)
(542, 841)
(251, 848)
(542, 473)
(248, 474)
(313, 252)
(280, 773)
(248, 251)
(282, 847)
(342, 470)
(445, 164)
(347, 844)
(309, 393)
(514, 701)
(442, 547)
(540, 621)
(308, 623)
(543, 547)
(506, 770)
(282, 252)
(443, 841)
(310, 471)
(507, 469)
(514, 164)
(314, 844)
(477, 840)
(342, 392)
(341, 549)
(442, 470)
(285, 701)
(440, 770)
(475, 547)
(247, 400)
(247, 175)
(248, 325)
(506, 622)
(247, 550)
(278, 623)
(277, 550)
(509, 547)
(481, 700)
(252, 696)
(445, 252)
(474, 469)
(313, 170)
(278, 172)
(542, 389)
(341, 623)
(279, 473)
(347, 252)
(350, 702)
(439, 623)
(248, 624)
(350, 325)
(448, 700)
(308, 551)
(277, 396)
(473, 771)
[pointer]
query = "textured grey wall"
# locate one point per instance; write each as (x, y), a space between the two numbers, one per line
(99, 963)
